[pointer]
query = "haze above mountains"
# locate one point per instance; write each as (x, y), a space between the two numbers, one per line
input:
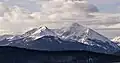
(55, 12)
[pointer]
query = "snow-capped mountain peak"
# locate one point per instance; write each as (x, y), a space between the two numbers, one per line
(116, 39)
(73, 29)
(75, 25)
(2, 37)
(78, 32)
(91, 34)
(75, 35)
(41, 29)
(37, 33)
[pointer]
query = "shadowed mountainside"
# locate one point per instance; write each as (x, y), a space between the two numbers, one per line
(20, 55)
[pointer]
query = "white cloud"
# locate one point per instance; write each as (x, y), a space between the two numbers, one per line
(17, 20)
(58, 10)
(116, 26)
(55, 13)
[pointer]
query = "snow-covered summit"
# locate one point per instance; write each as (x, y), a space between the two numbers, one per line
(116, 39)
(74, 35)
(78, 32)
(2, 37)
(10, 37)
(37, 33)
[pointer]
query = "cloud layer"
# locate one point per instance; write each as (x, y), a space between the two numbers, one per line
(55, 13)
(16, 19)
(107, 5)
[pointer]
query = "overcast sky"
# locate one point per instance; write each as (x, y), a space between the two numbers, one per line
(112, 6)
(106, 26)
(107, 5)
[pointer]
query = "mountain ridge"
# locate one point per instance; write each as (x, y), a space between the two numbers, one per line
(69, 38)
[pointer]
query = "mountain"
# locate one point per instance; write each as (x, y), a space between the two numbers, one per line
(2, 37)
(85, 35)
(80, 33)
(73, 37)
(51, 43)
(37, 33)
(116, 40)
(21, 55)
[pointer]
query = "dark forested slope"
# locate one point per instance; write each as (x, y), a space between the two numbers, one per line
(20, 55)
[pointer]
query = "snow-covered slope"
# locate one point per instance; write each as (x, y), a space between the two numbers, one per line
(116, 40)
(85, 35)
(73, 37)
(80, 33)
(37, 33)
(2, 37)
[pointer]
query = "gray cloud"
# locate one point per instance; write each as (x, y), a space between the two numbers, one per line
(53, 12)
